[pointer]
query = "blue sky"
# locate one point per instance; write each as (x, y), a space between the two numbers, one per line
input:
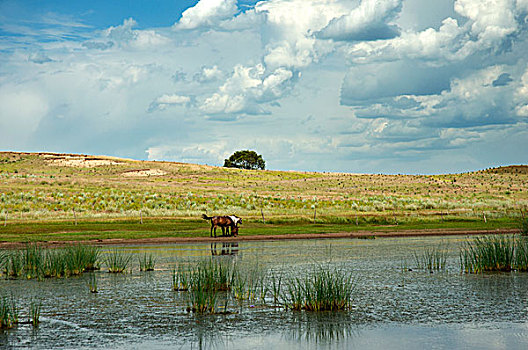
(386, 86)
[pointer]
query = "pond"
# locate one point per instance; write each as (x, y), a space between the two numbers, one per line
(395, 304)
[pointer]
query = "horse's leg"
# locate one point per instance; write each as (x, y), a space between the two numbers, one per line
(212, 229)
(223, 231)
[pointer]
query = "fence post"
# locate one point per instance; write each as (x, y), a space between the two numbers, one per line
(5, 218)
(262, 213)
(75, 217)
(140, 217)
(315, 213)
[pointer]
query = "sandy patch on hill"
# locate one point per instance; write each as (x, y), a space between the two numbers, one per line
(144, 172)
(81, 162)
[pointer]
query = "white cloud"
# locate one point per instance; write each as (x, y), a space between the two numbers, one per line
(247, 89)
(125, 35)
(207, 13)
(369, 21)
(489, 24)
(208, 74)
(521, 96)
(268, 78)
(164, 101)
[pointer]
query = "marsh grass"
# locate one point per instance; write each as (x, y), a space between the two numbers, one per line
(92, 283)
(523, 223)
(34, 313)
(432, 259)
(117, 261)
(8, 312)
(201, 297)
(276, 282)
(205, 281)
(521, 254)
(33, 261)
(323, 289)
(180, 279)
(493, 253)
(14, 264)
(147, 262)
(250, 283)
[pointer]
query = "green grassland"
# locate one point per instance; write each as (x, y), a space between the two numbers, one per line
(76, 197)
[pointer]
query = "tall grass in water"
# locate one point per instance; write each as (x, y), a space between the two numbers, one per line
(34, 313)
(205, 281)
(276, 282)
(521, 254)
(117, 261)
(434, 258)
(147, 262)
(33, 261)
(492, 253)
(14, 264)
(8, 313)
(250, 283)
(320, 290)
(92, 283)
(180, 279)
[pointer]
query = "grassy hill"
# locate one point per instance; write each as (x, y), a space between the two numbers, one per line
(44, 194)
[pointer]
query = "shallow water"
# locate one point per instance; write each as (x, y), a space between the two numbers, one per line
(393, 308)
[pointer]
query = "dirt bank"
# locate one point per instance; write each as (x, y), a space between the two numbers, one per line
(242, 238)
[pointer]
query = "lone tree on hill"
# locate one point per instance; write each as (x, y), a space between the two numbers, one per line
(245, 160)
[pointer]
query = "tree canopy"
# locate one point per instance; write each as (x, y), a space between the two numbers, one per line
(245, 160)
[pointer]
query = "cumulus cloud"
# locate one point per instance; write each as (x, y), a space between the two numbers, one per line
(164, 101)
(489, 26)
(207, 13)
(521, 96)
(247, 89)
(369, 21)
(208, 74)
(124, 34)
(331, 84)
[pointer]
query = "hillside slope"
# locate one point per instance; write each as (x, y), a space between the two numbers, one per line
(46, 184)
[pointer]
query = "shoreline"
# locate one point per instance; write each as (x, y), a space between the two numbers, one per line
(298, 236)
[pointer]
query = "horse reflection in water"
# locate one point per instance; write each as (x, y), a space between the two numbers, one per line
(228, 248)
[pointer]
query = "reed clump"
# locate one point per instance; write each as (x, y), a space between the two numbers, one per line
(434, 258)
(92, 284)
(495, 253)
(8, 313)
(34, 313)
(33, 261)
(147, 262)
(117, 261)
(204, 282)
(323, 289)
(180, 279)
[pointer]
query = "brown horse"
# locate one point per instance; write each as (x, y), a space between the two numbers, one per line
(224, 222)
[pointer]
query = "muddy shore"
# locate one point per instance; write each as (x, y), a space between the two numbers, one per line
(243, 238)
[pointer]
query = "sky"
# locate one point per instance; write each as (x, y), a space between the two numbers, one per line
(359, 86)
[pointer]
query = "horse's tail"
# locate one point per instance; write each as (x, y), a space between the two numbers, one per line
(205, 217)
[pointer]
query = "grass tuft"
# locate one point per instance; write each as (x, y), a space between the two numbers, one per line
(321, 290)
(147, 262)
(494, 253)
(117, 261)
(8, 312)
(434, 258)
